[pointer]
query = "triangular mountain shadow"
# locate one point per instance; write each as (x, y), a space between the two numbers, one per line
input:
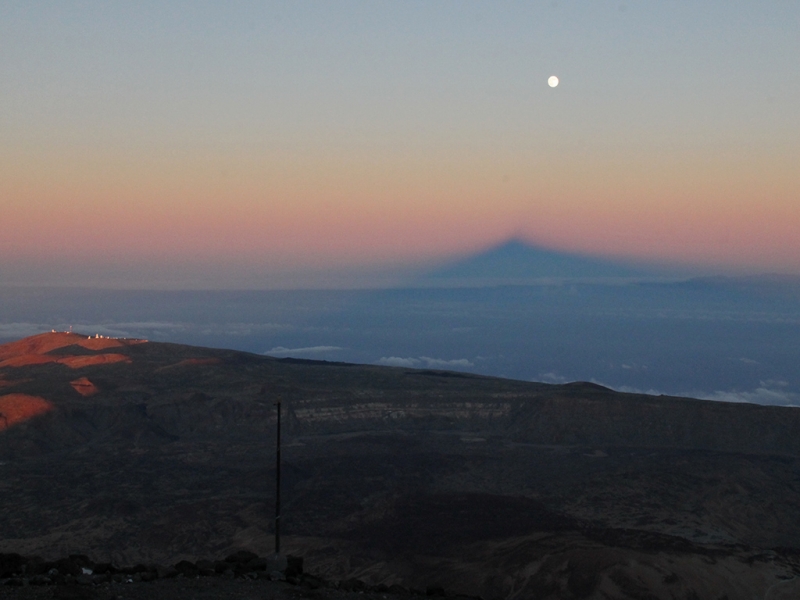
(516, 261)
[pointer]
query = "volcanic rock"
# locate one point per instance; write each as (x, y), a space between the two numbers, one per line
(391, 476)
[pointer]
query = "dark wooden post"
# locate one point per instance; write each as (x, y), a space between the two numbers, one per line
(278, 485)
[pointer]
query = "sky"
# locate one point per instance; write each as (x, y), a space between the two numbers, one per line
(268, 144)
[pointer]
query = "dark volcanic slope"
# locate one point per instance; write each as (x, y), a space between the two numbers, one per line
(140, 451)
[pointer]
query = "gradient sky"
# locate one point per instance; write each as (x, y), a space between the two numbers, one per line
(221, 144)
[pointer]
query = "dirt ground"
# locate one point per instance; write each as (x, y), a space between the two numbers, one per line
(215, 588)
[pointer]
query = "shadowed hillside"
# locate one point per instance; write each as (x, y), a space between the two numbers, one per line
(486, 486)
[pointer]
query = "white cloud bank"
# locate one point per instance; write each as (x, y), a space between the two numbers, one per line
(281, 351)
(425, 362)
(771, 393)
(396, 361)
(766, 393)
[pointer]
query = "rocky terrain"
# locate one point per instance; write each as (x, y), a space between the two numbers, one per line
(137, 452)
(241, 574)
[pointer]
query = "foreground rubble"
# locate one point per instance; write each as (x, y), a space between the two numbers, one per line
(240, 575)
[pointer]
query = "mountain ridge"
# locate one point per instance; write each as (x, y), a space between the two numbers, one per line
(484, 485)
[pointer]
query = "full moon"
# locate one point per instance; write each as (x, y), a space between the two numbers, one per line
(552, 81)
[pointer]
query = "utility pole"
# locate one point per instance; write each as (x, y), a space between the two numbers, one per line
(278, 485)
